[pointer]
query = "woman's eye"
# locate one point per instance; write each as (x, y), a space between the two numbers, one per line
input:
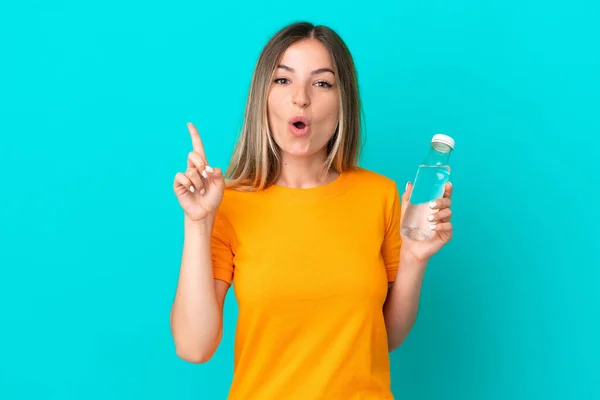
(324, 84)
(281, 81)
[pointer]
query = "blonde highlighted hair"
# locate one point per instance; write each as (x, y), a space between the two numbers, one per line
(255, 163)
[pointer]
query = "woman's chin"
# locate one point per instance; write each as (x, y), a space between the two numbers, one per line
(298, 150)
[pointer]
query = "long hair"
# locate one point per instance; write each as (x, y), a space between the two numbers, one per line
(255, 163)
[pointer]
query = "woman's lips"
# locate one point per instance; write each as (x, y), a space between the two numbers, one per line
(299, 126)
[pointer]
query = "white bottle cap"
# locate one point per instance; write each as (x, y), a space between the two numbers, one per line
(439, 138)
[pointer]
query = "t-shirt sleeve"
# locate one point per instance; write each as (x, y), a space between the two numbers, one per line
(392, 241)
(222, 253)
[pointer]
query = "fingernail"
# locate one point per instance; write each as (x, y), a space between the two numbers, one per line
(202, 192)
(433, 204)
(204, 174)
(407, 184)
(431, 217)
(209, 169)
(192, 189)
(433, 227)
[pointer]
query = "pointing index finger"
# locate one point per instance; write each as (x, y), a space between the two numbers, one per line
(196, 141)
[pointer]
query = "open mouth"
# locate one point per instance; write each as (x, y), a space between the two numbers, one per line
(299, 125)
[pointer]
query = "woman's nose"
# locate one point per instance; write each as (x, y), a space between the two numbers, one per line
(300, 97)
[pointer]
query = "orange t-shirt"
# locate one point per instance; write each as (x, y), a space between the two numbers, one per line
(310, 269)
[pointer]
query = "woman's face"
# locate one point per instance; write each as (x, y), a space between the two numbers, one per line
(303, 104)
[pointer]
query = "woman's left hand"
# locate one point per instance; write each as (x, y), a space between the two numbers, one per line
(442, 233)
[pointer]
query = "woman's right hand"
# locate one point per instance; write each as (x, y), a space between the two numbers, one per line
(200, 189)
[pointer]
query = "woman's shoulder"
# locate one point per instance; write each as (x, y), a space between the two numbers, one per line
(237, 197)
(373, 181)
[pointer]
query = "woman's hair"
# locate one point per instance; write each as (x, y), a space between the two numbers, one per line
(255, 163)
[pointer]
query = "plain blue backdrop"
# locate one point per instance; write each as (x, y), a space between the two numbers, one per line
(94, 100)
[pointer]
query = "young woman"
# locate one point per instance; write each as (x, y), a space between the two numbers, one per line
(310, 240)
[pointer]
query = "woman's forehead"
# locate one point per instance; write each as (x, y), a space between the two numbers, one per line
(307, 54)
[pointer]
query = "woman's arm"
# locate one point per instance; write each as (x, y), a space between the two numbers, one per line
(197, 311)
(402, 303)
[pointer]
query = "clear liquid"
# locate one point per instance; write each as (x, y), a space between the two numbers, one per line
(428, 186)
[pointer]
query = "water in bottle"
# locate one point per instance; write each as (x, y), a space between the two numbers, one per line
(428, 186)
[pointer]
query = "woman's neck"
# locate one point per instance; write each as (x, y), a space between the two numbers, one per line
(304, 172)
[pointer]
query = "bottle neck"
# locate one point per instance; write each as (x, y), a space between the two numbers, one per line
(439, 154)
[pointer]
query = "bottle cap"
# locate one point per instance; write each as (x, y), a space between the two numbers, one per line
(439, 138)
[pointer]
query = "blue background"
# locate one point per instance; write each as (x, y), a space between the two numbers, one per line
(94, 100)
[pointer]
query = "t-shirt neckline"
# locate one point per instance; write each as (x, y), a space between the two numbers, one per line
(320, 192)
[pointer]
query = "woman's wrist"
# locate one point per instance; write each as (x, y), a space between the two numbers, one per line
(204, 225)
(410, 261)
